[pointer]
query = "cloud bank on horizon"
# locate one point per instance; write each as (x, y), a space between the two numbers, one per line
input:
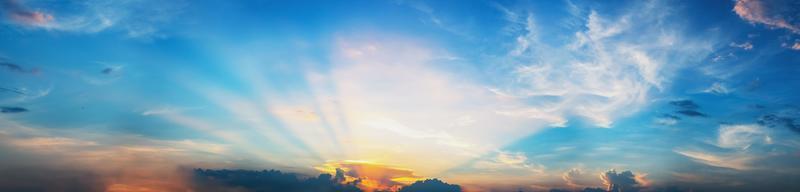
(386, 95)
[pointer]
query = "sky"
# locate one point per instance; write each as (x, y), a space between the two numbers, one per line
(562, 95)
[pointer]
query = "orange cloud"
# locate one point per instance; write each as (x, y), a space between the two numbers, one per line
(372, 176)
(140, 166)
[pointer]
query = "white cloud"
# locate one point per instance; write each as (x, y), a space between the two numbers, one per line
(666, 121)
(742, 136)
(605, 72)
(738, 139)
(736, 161)
(578, 178)
(717, 88)
(507, 162)
(135, 18)
(166, 110)
(745, 45)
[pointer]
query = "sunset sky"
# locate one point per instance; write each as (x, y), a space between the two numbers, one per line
(651, 95)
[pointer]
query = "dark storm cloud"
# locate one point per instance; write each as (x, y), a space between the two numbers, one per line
(12, 110)
(431, 185)
(267, 181)
(619, 182)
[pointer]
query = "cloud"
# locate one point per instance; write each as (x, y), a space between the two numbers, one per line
(167, 110)
(600, 73)
(620, 182)
(576, 178)
(266, 181)
(738, 139)
(732, 161)
(687, 108)
(787, 119)
(773, 13)
(11, 67)
(431, 185)
(691, 113)
(745, 45)
(684, 104)
(742, 136)
(506, 162)
(371, 176)
(795, 46)
(717, 88)
(112, 70)
(12, 90)
(667, 119)
(12, 110)
(20, 14)
(135, 18)
(107, 163)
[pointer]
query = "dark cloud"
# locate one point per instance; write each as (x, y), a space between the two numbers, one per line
(593, 190)
(12, 110)
(684, 104)
(107, 70)
(431, 185)
(13, 67)
(774, 120)
(619, 182)
(691, 113)
(23, 171)
(267, 181)
(687, 108)
(23, 179)
(18, 13)
(12, 90)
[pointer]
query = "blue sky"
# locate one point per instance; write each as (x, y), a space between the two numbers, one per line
(490, 95)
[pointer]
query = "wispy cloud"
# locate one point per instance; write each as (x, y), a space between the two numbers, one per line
(137, 19)
(600, 74)
(774, 14)
(746, 45)
(742, 136)
(732, 161)
(717, 88)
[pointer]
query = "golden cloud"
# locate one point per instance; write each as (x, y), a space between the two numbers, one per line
(371, 176)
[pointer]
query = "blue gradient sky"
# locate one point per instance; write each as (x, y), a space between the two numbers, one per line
(491, 95)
